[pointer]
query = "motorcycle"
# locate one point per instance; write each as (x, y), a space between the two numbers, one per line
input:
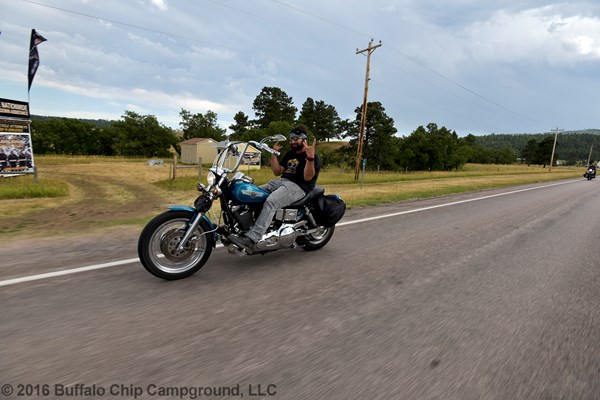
(177, 243)
(590, 174)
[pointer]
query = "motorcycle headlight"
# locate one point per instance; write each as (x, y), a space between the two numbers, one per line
(211, 178)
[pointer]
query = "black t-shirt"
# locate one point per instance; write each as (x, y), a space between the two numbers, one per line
(294, 164)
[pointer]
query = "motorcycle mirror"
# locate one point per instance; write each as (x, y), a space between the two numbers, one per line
(274, 138)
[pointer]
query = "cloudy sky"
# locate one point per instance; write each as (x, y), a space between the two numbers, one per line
(473, 66)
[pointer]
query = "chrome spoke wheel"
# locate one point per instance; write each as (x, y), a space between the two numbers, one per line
(158, 246)
(163, 247)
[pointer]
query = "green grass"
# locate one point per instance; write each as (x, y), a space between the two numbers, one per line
(335, 176)
(24, 187)
(377, 185)
(47, 160)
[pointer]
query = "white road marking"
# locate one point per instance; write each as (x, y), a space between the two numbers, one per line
(447, 204)
(67, 272)
(357, 221)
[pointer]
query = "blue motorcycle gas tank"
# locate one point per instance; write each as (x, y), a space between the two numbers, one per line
(247, 193)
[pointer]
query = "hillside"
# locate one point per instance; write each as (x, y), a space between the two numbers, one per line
(100, 123)
(570, 145)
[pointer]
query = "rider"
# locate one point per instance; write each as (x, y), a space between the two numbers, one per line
(299, 170)
(593, 167)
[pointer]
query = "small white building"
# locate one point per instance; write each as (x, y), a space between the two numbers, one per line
(195, 148)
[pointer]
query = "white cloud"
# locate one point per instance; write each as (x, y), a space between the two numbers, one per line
(160, 4)
(536, 35)
(218, 55)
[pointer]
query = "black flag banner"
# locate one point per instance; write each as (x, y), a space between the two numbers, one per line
(34, 57)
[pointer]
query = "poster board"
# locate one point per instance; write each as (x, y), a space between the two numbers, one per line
(16, 153)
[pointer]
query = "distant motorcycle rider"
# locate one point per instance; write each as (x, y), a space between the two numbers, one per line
(591, 171)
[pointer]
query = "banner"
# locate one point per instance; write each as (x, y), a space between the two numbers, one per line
(13, 126)
(34, 57)
(14, 109)
(16, 154)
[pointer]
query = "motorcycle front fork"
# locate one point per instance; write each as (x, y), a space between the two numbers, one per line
(188, 233)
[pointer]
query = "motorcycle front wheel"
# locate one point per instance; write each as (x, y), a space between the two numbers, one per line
(157, 246)
(318, 239)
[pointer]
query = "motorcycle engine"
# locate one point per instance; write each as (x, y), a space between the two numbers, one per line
(286, 215)
(284, 236)
(243, 216)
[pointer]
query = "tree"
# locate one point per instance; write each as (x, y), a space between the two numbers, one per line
(415, 151)
(201, 126)
(70, 136)
(529, 153)
(434, 148)
(460, 157)
(321, 119)
(271, 105)
(380, 146)
(545, 151)
(142, 136)
(241, 126)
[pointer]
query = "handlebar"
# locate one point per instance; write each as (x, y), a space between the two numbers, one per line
(265, 147)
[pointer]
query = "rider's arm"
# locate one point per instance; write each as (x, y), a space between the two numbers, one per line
(277, 169)
(309, 170)
(275, 166)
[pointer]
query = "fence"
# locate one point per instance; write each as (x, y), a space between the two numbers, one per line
(174, 166)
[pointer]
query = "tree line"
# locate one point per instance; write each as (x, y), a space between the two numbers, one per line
(428, 147)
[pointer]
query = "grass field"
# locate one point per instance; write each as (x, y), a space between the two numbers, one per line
(75, 194)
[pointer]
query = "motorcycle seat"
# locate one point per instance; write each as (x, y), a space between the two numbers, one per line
(313, 194)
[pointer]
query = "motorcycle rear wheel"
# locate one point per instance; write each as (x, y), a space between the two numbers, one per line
(157, 246)
(319, 239)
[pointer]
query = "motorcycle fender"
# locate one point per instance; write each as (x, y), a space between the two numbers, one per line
(182, 208)
(193, 211)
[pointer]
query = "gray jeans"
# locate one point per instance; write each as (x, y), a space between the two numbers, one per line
(283, 193)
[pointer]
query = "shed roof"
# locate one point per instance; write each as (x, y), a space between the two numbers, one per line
(199, 140)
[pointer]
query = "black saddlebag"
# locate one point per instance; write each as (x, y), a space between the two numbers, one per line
(329, 210)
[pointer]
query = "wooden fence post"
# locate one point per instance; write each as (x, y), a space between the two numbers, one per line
(174, 166)
(199, 168)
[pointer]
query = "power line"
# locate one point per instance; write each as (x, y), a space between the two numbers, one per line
(461, 86)
(411, 59)
(318, 17)
(132, 25)
(312, 15)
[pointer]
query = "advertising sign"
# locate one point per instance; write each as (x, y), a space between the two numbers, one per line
(16, 154)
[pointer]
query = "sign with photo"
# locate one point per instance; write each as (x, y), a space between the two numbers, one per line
(16, 153)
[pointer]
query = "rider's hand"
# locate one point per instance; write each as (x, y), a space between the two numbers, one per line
(277, 146)
(310, 150)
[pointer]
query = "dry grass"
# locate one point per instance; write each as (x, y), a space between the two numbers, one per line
(413, 189)
(105, 191)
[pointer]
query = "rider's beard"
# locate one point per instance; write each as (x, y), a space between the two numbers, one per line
(297, 146)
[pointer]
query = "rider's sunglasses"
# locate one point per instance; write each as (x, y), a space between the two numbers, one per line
(295, 137)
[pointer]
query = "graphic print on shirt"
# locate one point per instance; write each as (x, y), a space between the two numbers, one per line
(292, 165)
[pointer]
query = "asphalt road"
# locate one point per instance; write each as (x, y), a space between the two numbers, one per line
(490, 295)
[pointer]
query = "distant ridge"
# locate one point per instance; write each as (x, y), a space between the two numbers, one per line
(100, 123)
(571, 145)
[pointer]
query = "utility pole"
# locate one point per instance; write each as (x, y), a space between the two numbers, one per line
(554, 146)
(590, 156)
(363, 120)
